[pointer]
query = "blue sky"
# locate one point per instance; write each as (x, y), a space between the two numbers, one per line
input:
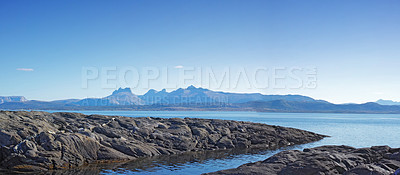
(354, 44)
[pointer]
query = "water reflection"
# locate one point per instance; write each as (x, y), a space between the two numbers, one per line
(175, 162)
(185, 163)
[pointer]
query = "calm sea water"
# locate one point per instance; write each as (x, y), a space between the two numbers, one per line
(357, 130)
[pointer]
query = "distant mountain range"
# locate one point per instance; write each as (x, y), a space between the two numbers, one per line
(192, 98)
(12, 99)
(120, 97)
(320, 107)
(201, 96)
(387, 102)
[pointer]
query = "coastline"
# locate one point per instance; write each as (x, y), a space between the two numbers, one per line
(45, 141)
(329, 160)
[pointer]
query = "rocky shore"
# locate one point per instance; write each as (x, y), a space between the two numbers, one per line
(326, 160)
(40, 141)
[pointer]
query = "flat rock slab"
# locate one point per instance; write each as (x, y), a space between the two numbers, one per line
(326, 160)
(43, 141)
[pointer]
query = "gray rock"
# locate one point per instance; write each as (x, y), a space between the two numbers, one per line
(327, 160)
(225, 142)
(40, 141)
(9, 138)
(201, 132)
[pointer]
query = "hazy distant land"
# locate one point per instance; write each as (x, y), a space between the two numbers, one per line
(199, 99)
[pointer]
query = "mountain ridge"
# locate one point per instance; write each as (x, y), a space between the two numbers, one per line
(5, 99)
(200, 99)
(118, 97)
(387, 102)
(193, 93)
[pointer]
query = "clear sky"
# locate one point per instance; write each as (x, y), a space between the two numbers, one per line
(354, 44)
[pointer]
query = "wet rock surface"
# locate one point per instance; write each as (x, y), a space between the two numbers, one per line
(40, 141)
(326, 160)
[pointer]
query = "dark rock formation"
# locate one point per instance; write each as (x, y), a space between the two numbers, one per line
(378, 160)
(42, 141)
